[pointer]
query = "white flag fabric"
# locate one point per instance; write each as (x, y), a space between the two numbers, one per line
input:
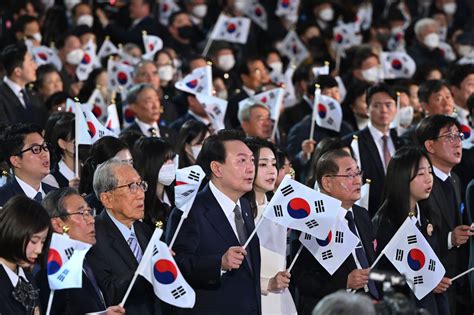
(324, 70)
(468, 141)
(231, 29)
(364, 196)
(396, 42)
(113, 122)
(128, 116)
(447, 51)
(96, 129)
(108, 48)
(88, 63)
(334, 249)
(126, 58)
(469, 59)
(188, 180)
(396, 65)
(198, 81)
(257, 13)
(288, 9)
(65, 259)
(44, 55)
(273, 99)
(272, 236)
(327, 112)
(97, 103)
(152, 44)
(70, 106)
(119, 76)
(293, 48)
(355, 150)
(82, 131)
(347, 35)
(412, 256)
(160, 269)
(299, 207)
(165, 9)
(215, 108)
(364, 16)
(290, 96)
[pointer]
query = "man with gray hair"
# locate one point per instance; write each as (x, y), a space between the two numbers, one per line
(425, 50)
(254, 118)
(344, 303)
(121, 236)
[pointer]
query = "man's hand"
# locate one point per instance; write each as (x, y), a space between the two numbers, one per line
(461, 234)
(233, 258)
(444, 284)
(358, 278)
(74, 183)
(280, 281)
(308, 147)
(116, 309)
(104, 21)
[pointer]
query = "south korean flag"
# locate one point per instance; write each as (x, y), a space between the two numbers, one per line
(257, 13)
(119, 76)
(447, 51)
(198, 81)
(165, 9)
(188, 181)
(468, 141)
(288, 9)
(347, 35)
(397, 65)
(293, 48)
(231, 29)
(215, 108)
(44, 55)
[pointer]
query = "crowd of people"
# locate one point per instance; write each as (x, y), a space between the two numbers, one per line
(407, 138)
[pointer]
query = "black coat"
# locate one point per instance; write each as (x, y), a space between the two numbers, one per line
(165, 132)
(12, 189)
(8, 305)
(231, 120)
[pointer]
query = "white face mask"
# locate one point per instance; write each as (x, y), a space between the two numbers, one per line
(166, 73)
(200, 10)
(371, 74)
(222, 94)
(87, 20)
(431, 40)
(450, 8)
(196, 149)
(177, 63)
(443, 33)
(406, 116)
(226, 62)
(397, 30)
(167, 174)
(465, 50)
(239, 5)
(37, 37)
(75, 57)
(277, 67)
(326, 14)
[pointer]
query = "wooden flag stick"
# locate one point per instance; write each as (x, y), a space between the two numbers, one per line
(315, 108)
(253, 233)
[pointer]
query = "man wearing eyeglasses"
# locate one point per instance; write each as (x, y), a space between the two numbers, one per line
(23, 147)
(441, 138)
(339, 177)
(121, 237)
(70, 214)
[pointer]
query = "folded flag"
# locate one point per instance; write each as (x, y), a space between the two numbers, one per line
(347, 35)
(288, 9)
(108, 48)
(273, 99)
(113, 123)
(119, 75)
(198, 81)
(82, 131)
(215, 108)
(327, 112)
(165, 9)
(231, 29)
(188, 180)
(88, 63)
(96, 129)
(97, 103)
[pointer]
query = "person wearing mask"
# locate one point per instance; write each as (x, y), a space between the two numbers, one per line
(28, 27)
(365, 69)
(183, 34)
(70, 53)
(190, 138)
(166, 72)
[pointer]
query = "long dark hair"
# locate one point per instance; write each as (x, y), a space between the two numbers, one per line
(189, 131)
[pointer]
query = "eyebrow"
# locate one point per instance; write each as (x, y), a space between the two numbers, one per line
(267, 159)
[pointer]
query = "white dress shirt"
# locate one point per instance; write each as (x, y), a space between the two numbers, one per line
(16, 89)
(377, 136)
(227, 205)
(29, 191)
(145, 128)
(14, 277)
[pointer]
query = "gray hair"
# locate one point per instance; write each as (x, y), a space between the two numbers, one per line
(55, 201)
(244, 111)
(344, 303)
(135, 91)
(421, 24)
(141, 64)
(104, 176)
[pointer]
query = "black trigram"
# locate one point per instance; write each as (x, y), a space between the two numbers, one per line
(155, 250)
(307, 236)
(278, 211)
(178, 292)
(331, 106)
(272, 95)
(411, 239)
(339, 237)
(217, 111)
(187, 193)
(287, 190)
(193, 176)
(101, 133)
(63, 275)
(327, 254)
(69, 251)
(200, 88)
(432, 265)
(399, 255)
(311, 224)
(330, 121)
(319, 206)
(418, 280)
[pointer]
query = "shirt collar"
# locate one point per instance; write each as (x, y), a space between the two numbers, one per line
(29, 191)
(440, 174)
(65, 170)
(13, 86)
(376, 134)
(124, 230)
(249, 91)
(225, 202)
(144, 127)
(13, 276)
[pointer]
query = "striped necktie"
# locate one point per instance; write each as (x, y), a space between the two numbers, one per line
(135, 247)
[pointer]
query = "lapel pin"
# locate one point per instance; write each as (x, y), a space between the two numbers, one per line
(429, 229)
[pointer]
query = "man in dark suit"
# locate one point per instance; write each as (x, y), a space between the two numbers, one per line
(121, 237)
(209, 252)
(17, 103)
(22, 146)
(441, 137)
(71, 214)
(338, 176)
(195, 112)
(144, 101)
(377, 142)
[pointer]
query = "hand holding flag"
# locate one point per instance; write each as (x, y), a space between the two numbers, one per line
(198, 81)
(215, 108)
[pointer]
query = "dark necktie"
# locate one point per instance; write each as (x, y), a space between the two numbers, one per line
(26, 294)
(90, 275)
(360, 253)
(25, 99)
(241, 231)
(450, 199)
(386, 151)
(38, 197)
(153, 132)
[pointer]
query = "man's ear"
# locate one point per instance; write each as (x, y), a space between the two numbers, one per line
(62, 144)
(429, 147)
(106, 199)
(57, 224)
(15, 161)
(326, 184)
(216, 169)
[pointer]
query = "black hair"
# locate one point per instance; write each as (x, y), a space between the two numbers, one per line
(423, 71)
(64, 129)
(21, 218)
(430, 87)
(324, 82)
(22, 21)
(470, 105)
(90, 85)
(429, 127)
(42, 72)
(189, 131)
(13, 139)
(327, 164)
(458, 73)
(130, 137)
(13, 57)
(55, 99)
(380, 88)
(360, 55)
(174, 15)
(243, 66)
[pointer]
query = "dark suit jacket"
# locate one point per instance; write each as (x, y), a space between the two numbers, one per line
(12, 188)
(12, 111)
(114, 264)
(8, 305)
(202, 241)
(372, 164)
(313, 282)
(165, 132)
(470, 208)
(230, 120)
(295, 114)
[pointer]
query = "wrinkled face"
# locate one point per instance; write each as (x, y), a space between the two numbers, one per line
(446, 151)
(259, 124)
(257, 76)
(81, 227)
(30, 165)
(465, 89)
(148, 105)
(345, 188)
(440, 102)
(382, 110)
(421, 185)
(52, 83)
(148, 73)
(267, 171)
(34, 247)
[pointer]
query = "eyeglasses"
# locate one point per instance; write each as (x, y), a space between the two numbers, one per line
(133, 187)
(452, 137)
(86, 213)
(349, 175)
(36, 148)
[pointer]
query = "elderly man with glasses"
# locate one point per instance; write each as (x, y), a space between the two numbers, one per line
(121, 237)
(23, 147)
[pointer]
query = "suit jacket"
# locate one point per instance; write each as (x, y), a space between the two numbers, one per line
(12, 110)
(202, 241)
(231, 121)
(8, 305)
(313, 282)
(165, 132)
(114, 264)
(372, 164)
(470, 208)
(12, 188)
(293, 115)
(176, 125)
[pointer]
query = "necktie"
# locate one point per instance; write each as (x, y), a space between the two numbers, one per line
(450, 199)
(26, 294)
(38, 197)
(153, 132)
(135, 247)
(386, 152)
(90, 275)
(25, 98)
(360, 253)
(241, 231)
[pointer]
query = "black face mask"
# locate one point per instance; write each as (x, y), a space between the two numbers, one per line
(383, 38)
(316, 42)
(186, 32)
